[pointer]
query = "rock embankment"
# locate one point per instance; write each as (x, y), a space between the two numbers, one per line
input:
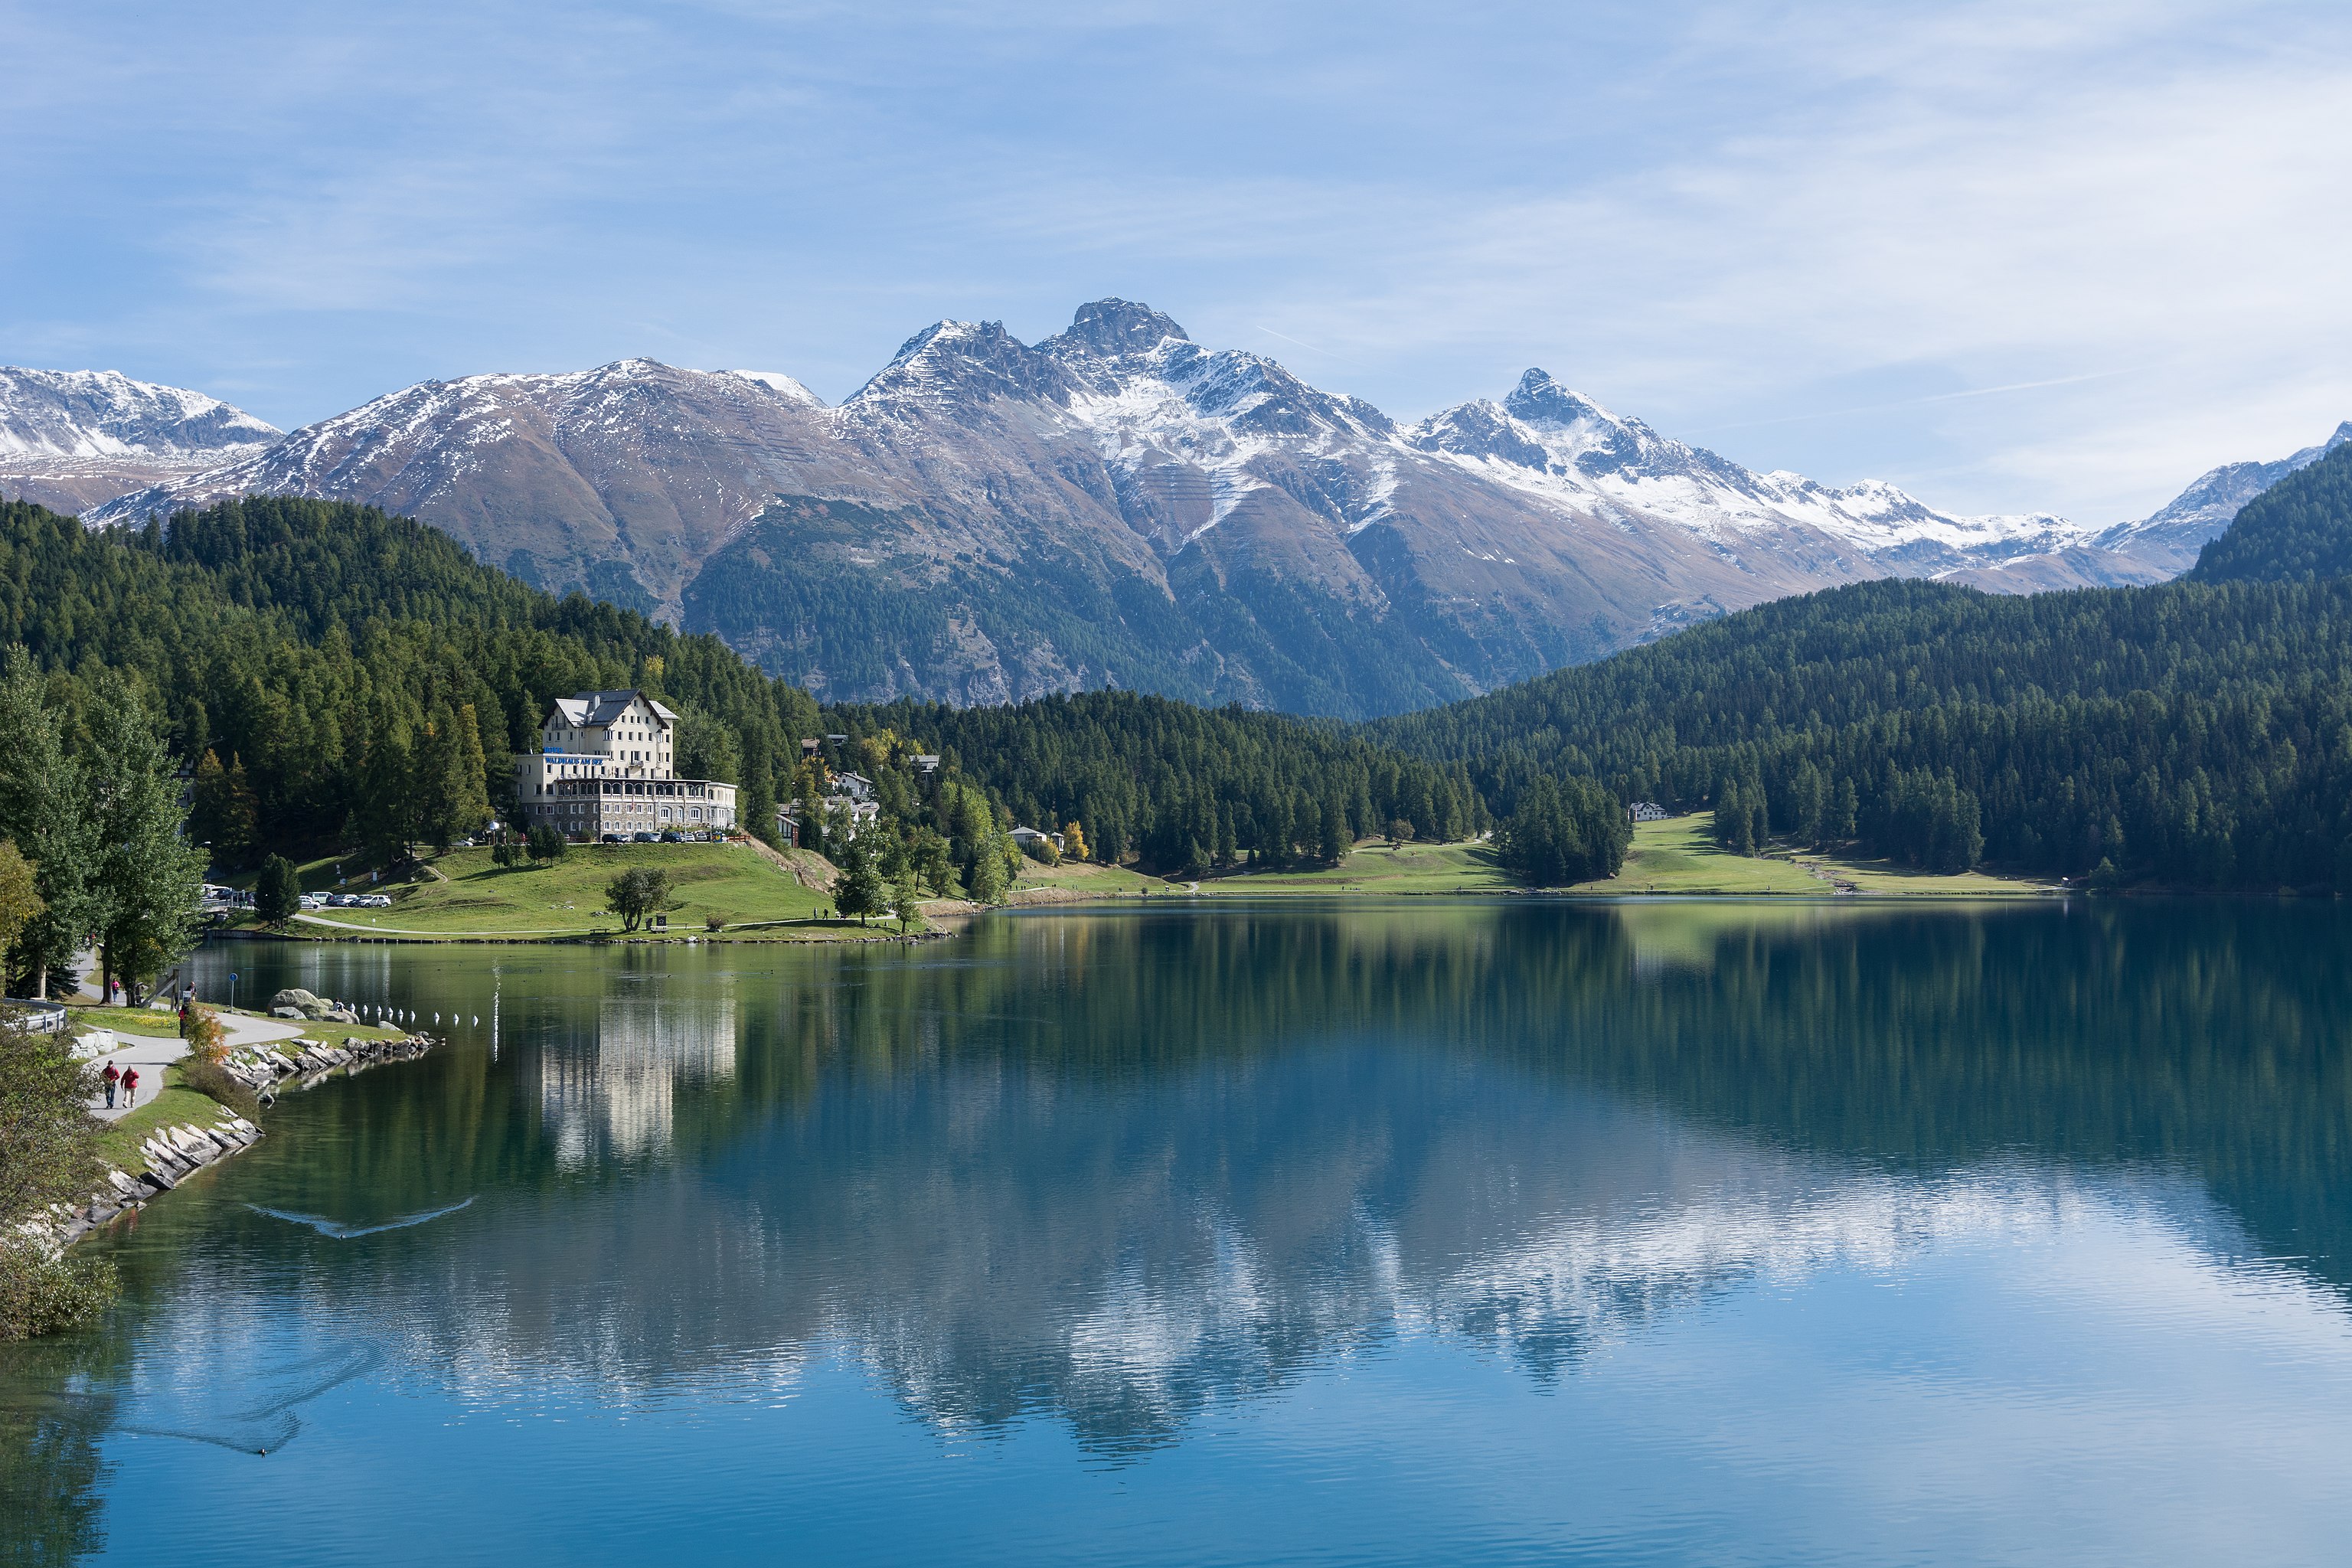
(263, 1069)
(175, 1153)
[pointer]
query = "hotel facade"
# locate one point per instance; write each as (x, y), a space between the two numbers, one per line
(606, 764)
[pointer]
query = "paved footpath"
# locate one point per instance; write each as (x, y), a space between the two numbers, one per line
(151, 1053)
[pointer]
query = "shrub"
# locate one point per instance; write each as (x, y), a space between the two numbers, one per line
(43, 1292)
(714, 922)
(212, 1080)
(206, 1042)
(49, 1154)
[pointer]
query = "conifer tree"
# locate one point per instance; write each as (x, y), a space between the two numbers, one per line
(146, 880)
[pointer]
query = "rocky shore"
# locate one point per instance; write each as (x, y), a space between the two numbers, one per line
(177, 1153)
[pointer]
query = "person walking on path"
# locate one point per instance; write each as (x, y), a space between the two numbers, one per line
(130, 1087)
(109, 1075)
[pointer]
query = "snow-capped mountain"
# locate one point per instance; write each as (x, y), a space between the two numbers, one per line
(987, 518)
(70, 438)
(2170, 537)
(619, 480)
(1554, 443)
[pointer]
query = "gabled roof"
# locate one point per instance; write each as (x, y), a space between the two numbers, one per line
(596, 709)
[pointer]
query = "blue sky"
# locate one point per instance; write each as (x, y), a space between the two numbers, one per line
(2010, 256)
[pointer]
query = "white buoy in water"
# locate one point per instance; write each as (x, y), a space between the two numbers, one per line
(478, 1020)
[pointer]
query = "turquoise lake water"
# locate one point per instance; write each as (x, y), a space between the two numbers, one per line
(1411, 1232)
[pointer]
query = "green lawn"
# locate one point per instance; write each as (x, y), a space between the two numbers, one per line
(173, 1107)
(1375, 867)
(464, 894)
(1679, 855)
(128, 1020)
(1079, 879)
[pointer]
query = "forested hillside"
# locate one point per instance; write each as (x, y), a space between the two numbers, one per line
(335, 675)
(2196, 732)
(1185, 785)
(349, 665)
(2294, 532)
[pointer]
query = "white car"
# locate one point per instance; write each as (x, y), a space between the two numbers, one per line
(314, 900)
(377, 901)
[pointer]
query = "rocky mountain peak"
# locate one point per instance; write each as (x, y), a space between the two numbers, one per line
(1541, 401)
(1113, 327)
(962, 363)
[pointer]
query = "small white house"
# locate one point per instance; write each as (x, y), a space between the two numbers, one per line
(856, 786)
(1647, 811)
(1026, 836)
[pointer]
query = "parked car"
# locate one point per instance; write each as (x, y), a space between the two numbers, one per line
(343, 900)
(612, 839)
(314, 900)
(644, 837)
(378, 900)
(671, 835)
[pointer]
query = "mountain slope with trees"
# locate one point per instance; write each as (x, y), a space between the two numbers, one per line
(2196, 732)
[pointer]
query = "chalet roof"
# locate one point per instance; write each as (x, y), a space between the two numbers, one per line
(598, 709)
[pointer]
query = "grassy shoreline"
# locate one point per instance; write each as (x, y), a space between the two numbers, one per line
(762, 895)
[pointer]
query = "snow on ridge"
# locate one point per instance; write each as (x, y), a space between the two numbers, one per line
(1590, 453)
(105, 414)
(777, 381)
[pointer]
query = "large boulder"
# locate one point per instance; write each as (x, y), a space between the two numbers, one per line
(293, 997)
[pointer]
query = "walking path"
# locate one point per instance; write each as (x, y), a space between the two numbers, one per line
(151, 1053)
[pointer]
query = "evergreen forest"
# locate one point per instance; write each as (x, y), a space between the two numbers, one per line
(2195, 733)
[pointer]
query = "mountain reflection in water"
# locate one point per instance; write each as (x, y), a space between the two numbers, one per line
(1118, 1170)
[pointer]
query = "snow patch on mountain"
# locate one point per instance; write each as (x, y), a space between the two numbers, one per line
(1550, 441)
(776, 381)
(105, 413)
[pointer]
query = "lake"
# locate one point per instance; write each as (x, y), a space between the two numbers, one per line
(1499, 1231)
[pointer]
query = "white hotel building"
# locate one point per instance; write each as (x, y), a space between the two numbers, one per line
(604, 766)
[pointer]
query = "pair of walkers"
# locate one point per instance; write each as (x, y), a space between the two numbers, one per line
(128, 1078)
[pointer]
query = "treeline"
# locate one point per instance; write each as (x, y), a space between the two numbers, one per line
(343, 667)
(2198, 732)
(1185, 788)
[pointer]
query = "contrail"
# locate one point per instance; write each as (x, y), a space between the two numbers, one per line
(1914, 402)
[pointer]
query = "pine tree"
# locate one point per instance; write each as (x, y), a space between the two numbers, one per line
(385, 818)
(278, 893)
(1331, 841)
(147, 880)
(758, 795)
(1730, 814)
(474, 784)
(858, 890)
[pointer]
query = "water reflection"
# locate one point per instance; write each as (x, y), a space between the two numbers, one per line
(1118, 1170)
(612, 1100)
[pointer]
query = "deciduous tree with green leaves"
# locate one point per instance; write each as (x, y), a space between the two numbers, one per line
(637, 894)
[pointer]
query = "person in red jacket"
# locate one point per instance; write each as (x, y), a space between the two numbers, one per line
(130, 1087)
(109, 1075)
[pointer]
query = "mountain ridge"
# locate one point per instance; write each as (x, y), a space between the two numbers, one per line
(985, 519)
(70, 440)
